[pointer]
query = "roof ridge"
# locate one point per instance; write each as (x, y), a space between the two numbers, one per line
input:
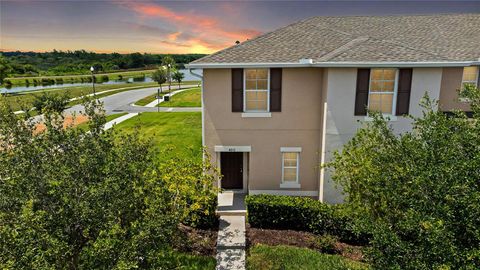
(399, 15)
(352, 43)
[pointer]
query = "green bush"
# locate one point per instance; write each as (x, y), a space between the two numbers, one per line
(302, 214)
(417, 192)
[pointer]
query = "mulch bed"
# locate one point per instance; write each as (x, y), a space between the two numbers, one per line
(301, 239)
(197, 241)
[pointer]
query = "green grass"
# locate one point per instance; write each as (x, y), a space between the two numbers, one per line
(180, 130)
(109, 118)
(263, 257)
(194, 262)
(189, 98)
(144, 101)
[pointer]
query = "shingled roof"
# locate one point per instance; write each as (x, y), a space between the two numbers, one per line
(420, 38)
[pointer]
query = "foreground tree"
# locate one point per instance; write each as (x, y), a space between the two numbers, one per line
(417, 193)
(71, 199)
(178, 77)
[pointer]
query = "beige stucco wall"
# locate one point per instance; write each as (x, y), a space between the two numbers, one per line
(451, 82)
(341, 122)
(305, 90)
(298, 125)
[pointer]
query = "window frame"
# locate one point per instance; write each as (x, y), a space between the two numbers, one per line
(296, 183)
(262, 90)
(395, 91)
(475, 82)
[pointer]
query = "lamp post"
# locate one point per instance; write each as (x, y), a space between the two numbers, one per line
(93, 79)
(169, 78)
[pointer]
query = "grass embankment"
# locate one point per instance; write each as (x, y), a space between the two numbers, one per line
(146, 100)
(188, 98)
(263, 257)
(180, 131)
(16, 100)
(20, 81)
(26, 98)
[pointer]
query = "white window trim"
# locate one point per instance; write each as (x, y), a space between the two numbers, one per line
(244, 94)
(290, 184)
(291, 149)
(394, 101)
(256, 115)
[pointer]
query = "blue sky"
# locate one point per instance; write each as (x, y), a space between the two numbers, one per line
(175, 26)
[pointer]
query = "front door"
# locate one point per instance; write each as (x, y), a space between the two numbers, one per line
(232, 170)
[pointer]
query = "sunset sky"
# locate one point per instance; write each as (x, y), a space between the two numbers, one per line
(174, 26)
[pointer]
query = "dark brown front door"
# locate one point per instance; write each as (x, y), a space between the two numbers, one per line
(232, 170)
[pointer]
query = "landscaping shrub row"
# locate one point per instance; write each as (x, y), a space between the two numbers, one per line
(302, 214)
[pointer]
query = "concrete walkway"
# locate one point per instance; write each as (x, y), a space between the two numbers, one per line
(118, 120)
(231, 241)
(160, 100)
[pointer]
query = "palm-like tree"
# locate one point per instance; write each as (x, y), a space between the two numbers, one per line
(178, 77)
(169, 62)
(160, 76)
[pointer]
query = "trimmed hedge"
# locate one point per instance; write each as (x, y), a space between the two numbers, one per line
(302, 214)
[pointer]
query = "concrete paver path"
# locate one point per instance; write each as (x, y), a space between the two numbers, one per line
(118, 120)
(231, 241)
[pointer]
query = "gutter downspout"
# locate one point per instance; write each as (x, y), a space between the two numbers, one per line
(203, 105)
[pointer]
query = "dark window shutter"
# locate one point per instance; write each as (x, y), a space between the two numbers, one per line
(237, 90)
(361, 96)
(275, 89)
(404, 89)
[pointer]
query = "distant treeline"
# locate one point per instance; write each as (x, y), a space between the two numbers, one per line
(79, 62)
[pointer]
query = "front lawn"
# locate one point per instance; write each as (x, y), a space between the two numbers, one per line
(179, 131)
(188, 98)
(263, 257)
(194, 262)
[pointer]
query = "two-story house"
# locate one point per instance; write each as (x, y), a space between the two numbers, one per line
(277, 106)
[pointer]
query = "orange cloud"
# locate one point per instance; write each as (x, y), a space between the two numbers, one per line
(207, 33)
(174, 36)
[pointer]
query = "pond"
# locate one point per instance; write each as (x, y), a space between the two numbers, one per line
(17, 89)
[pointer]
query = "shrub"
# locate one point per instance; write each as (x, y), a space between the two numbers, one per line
(302, 214)
(105, 78)
(417, 192)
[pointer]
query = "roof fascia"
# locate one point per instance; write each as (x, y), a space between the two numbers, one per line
(336, 64)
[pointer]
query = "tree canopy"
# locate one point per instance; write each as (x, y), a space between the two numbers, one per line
(80, 61)
(418, 193)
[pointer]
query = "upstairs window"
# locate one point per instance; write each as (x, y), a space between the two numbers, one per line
(470, 76)
(257, 90)
(382, 90)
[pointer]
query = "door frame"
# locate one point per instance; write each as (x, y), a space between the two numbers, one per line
(245, 150)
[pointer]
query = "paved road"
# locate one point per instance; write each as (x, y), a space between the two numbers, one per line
(123, 102)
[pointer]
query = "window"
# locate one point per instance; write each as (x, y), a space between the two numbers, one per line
(382, 90)
(470, 76)
(290, 167)
(256, 92)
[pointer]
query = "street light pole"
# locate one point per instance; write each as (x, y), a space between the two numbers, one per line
(93, 80)
(169, 78)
